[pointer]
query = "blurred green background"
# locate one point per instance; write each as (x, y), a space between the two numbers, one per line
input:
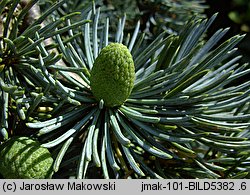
(236, 15)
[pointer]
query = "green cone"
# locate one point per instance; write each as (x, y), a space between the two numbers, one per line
(24, 158)
(113, 74)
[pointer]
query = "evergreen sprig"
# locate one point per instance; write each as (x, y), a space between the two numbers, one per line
(183, 118)
(22, 77)
(181, 113)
